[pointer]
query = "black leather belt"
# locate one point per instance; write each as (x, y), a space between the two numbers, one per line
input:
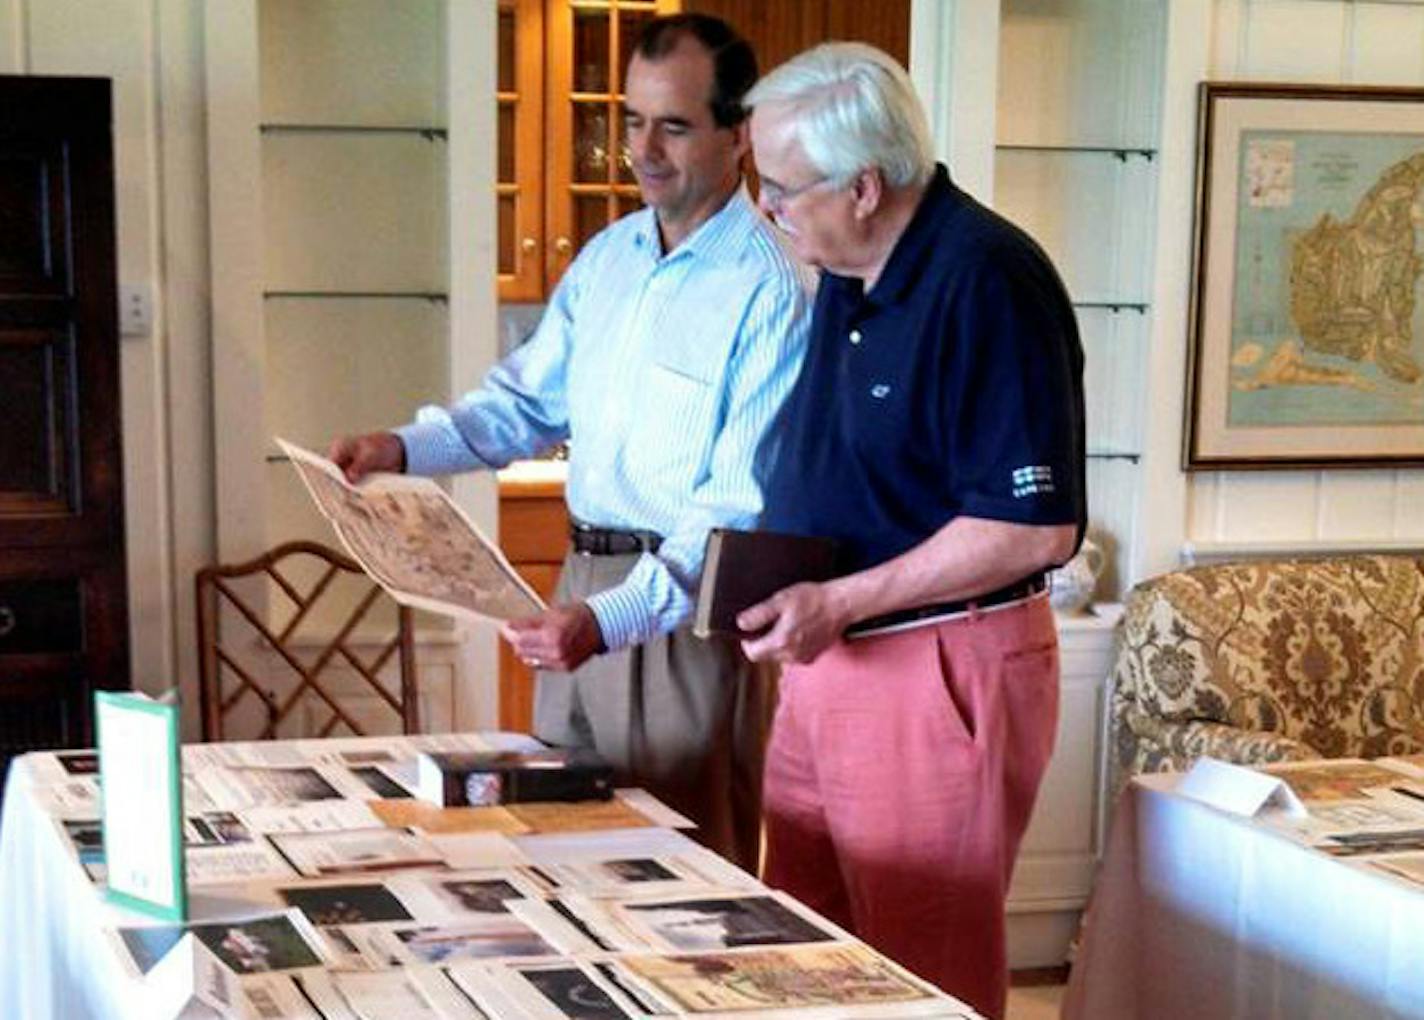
(1029, 586)
(593, 541)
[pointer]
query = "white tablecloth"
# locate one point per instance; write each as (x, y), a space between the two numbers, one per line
(58, 963)
(54, 957)
(1201, 914)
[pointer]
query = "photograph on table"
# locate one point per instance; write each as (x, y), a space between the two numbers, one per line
(214, 828)
(546, 991)
(352, 852)
(838, 979)
(682, 874)
(227, 863)
(1406, 866)
(381, 784)
(1330, 817)
(276, 997)
(702, 924)
(345, 903)
(1334, 779)
(462, 895)
(238, 788)
(496, 938)
(251, 946)
(86, 840)
(388, 993)
(1305, 345)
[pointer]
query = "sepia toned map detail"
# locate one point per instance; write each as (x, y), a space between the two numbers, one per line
(414, 541)
(845, 975)
(1326, 320)
(1352, 283)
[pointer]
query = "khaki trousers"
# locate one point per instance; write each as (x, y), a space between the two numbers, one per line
(685, 719)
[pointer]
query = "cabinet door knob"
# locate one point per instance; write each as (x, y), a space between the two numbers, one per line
(528, 245)
(563, 245)
(7, 620)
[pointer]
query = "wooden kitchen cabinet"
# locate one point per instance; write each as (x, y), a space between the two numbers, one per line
(563, 168)
(534, 534)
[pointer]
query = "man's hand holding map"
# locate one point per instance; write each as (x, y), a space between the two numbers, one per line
(409, 535)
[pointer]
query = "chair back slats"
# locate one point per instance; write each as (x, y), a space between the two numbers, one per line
(311, 652)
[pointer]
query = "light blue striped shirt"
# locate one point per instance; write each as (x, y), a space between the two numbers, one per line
(665, 371)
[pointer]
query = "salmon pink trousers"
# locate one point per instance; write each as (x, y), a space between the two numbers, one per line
(899, 779)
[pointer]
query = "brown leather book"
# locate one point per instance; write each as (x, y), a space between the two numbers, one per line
(743, 568)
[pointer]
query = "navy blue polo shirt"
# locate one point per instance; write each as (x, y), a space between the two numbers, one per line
(955, 387)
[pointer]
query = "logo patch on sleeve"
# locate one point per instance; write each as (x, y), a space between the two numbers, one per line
(1034, 480)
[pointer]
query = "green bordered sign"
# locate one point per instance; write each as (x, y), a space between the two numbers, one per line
(141, 787)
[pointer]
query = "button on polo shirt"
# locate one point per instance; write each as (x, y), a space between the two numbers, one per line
(954, 388)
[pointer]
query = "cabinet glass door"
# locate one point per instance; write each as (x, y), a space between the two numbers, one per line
(519, 165)
(590, 175)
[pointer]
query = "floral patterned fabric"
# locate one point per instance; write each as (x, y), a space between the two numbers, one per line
(1270, 660)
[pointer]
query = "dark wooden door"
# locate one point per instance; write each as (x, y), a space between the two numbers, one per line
(63, 616)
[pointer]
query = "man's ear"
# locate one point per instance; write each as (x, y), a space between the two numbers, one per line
(742, 140)
(867, 189)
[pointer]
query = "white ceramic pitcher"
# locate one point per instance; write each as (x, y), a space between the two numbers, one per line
(1071, 586)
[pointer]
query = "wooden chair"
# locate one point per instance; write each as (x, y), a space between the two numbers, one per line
(308, 660)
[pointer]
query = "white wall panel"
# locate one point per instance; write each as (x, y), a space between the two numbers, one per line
(354, 212)
(1295, 40)
(1089, 210)
(1357, 504)
(1386, 45)
(1063, 78)
(1204, 507)
(1114, 350)
(353, 62)
(339, 366)
(1409, 505)
(1268, 506)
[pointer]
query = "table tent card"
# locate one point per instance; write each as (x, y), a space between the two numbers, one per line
(1238, 790)
(141, 803)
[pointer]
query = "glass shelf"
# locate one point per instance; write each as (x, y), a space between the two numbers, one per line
(435, 297)
(1127, 455)
(1122, 153)
(429, 132)
(1140, 307)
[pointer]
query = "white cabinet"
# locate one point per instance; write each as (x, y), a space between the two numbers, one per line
(1060, 850)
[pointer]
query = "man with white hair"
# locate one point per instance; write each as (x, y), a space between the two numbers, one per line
(935, 432)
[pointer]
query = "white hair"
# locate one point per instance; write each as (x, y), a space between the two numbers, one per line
(854, 107)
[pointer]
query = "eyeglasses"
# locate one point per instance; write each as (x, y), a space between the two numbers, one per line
(775, 197)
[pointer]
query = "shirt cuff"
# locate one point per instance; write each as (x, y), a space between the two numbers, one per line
(624, 616)
(432, 448)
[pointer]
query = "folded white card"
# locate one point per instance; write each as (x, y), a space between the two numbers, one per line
(1239, 790)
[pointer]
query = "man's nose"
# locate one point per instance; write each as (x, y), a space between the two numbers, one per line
(645, 144)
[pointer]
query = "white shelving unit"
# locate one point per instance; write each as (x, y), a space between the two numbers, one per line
(345, 200)
(1075, 164)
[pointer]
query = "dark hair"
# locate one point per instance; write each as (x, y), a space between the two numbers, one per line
(733, 62)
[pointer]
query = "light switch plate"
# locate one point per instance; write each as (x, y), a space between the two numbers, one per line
(135, 310)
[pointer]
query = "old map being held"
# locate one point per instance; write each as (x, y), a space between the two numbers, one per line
(409, 535)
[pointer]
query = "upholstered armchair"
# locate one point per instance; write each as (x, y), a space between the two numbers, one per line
(1269, 660)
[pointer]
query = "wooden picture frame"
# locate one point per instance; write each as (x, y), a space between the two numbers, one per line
(1306, 343)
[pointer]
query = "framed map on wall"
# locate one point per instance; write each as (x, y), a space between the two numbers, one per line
(1307, 327)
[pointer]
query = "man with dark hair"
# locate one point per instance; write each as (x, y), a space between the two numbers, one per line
(664, 353)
